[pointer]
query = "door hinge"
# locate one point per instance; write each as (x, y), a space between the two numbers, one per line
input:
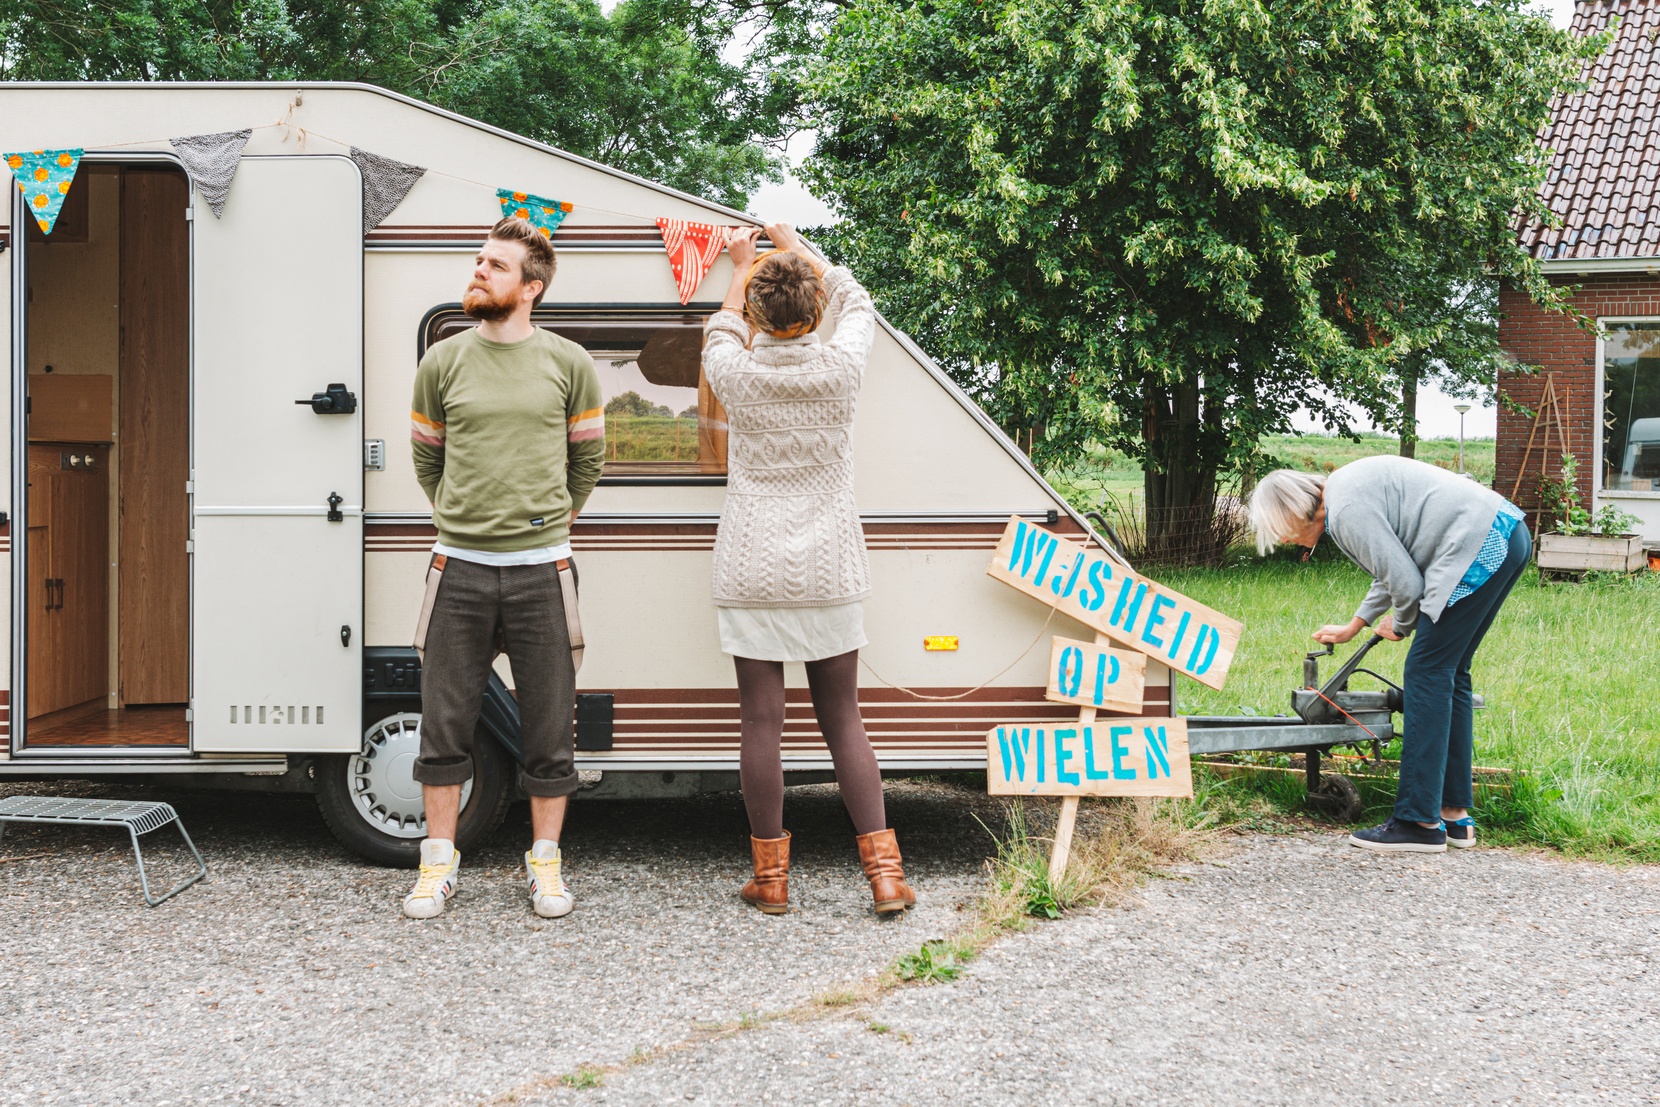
(189, 488)
(190, 545)
(190, 714)
(190, 214)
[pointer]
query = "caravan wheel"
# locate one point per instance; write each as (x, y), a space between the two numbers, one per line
(372, 801)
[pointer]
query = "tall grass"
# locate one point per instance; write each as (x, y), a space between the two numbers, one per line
(1571, 673)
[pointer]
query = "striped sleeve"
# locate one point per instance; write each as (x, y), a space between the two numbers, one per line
(584, 431)
(426, 427)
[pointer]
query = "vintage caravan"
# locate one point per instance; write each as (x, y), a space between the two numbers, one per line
(215, 538)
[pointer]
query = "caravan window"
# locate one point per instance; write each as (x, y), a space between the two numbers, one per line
(661, 419)
(1631, 408)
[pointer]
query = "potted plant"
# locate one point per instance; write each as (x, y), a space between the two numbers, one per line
(1581, 540)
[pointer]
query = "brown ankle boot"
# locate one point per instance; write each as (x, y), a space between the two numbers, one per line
(879, 851)
(770, 890)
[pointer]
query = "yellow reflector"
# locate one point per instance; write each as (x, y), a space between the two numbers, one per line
(940, 642)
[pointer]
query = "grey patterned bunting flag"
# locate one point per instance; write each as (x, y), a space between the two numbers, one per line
(211, 162)
(385, 183)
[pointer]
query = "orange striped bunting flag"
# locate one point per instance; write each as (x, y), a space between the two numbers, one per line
(692, 250)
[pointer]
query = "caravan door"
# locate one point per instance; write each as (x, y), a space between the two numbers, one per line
(277, 487)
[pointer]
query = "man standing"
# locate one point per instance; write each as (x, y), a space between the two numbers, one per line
(508, 434)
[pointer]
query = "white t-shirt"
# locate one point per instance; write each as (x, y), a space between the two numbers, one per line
(513, 557)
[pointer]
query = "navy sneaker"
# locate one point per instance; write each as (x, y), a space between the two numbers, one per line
(1398, 836)
(1461, 833)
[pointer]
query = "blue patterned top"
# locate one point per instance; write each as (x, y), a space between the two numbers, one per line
(1492, 554)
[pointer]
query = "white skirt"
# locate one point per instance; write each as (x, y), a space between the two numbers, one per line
(792, 633)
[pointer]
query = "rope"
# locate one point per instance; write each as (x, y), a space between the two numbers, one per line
(302, 134)
(924, 696)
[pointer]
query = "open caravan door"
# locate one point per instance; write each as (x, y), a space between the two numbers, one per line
(277, 503)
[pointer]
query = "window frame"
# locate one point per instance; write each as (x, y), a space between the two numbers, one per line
(441, 313)
(1598, 490)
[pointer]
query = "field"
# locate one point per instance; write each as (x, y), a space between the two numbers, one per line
(1571, 673)
(650, 438)
(1104, 472)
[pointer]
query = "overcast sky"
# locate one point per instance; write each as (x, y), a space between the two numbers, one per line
(792, 203)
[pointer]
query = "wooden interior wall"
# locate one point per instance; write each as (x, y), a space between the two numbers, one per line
(154, 591)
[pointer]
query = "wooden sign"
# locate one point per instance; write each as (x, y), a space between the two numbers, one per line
(1093, 676)
(1125, 606)
(1117, 757)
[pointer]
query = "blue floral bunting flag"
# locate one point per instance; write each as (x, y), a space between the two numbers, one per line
(43, 176)
(543, 214)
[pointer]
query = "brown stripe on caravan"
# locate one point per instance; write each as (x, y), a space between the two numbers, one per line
(567, 234)
(404, 537)
(5, 712)
(707, 718)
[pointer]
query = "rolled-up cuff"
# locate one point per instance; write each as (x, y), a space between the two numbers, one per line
(443, 771)
(562, 785)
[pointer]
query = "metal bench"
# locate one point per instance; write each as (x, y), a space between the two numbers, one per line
(139, 818)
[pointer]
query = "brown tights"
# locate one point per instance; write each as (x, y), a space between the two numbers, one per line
(835, 688)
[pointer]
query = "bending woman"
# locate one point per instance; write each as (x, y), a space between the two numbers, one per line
(1444, 553)
(790, 563)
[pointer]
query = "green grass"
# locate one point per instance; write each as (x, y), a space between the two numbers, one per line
(1571, 673)
(650, 438)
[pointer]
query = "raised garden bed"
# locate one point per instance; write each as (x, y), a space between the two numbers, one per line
(1571, 555)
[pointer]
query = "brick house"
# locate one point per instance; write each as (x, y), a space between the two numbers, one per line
(1603, 183)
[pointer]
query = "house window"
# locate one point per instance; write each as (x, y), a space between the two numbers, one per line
(1631, 407)
(661, 419)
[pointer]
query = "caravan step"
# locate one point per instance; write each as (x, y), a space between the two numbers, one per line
(137, 816)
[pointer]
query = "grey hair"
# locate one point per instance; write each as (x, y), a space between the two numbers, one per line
(1284, 501)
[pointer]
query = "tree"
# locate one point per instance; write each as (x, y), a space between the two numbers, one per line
(634, 88)
(636, 406)
(1168, 225)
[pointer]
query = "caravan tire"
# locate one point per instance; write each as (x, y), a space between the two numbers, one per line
(364, 826)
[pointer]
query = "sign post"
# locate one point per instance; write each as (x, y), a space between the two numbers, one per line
(1133, 754)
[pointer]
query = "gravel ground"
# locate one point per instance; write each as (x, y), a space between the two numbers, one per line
(1291, 972)
(289, 977)
(1287, 971)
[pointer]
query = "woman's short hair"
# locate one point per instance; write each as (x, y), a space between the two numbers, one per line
(1283, 503)
(785, 296)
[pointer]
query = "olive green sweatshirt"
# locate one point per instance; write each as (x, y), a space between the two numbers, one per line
(509, 439)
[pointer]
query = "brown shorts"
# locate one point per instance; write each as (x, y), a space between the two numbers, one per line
(526, 606)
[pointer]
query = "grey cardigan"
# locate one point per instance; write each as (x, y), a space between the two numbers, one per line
(1415, 527)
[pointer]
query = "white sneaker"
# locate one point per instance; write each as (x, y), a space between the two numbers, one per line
(548, 895)
(436, 884)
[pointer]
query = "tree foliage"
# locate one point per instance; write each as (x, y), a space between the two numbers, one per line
(642, 88)
(1168, 224)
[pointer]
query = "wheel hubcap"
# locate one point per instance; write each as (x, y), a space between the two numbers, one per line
(382, 778)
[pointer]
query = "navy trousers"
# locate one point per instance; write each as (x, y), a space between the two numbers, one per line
(1438, 746)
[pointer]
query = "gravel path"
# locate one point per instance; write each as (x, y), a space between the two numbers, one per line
(289, 977)
(1291, 972)
(1288, 971)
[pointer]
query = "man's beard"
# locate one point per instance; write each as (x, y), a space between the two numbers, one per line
(479, 304)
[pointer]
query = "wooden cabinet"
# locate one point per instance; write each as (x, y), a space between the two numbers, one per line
(68, 566)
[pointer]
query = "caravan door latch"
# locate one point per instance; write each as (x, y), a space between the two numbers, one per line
(335, 514)
(335, 401)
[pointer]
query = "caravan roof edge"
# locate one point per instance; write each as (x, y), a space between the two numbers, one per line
(360, 86)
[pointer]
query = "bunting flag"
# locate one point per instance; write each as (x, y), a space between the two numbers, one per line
(544, 214)
(211, 162)
(385, 183)
(692, 250)
(43, 176)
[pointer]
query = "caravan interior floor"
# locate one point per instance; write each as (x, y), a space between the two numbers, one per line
(94, 724)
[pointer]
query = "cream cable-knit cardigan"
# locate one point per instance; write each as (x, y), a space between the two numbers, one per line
(789, 533)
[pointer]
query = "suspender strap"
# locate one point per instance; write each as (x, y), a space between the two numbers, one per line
(573, 617)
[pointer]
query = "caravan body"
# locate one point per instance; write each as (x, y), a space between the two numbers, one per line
(212, 574)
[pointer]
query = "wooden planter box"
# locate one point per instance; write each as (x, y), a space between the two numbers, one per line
(1621, 553)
